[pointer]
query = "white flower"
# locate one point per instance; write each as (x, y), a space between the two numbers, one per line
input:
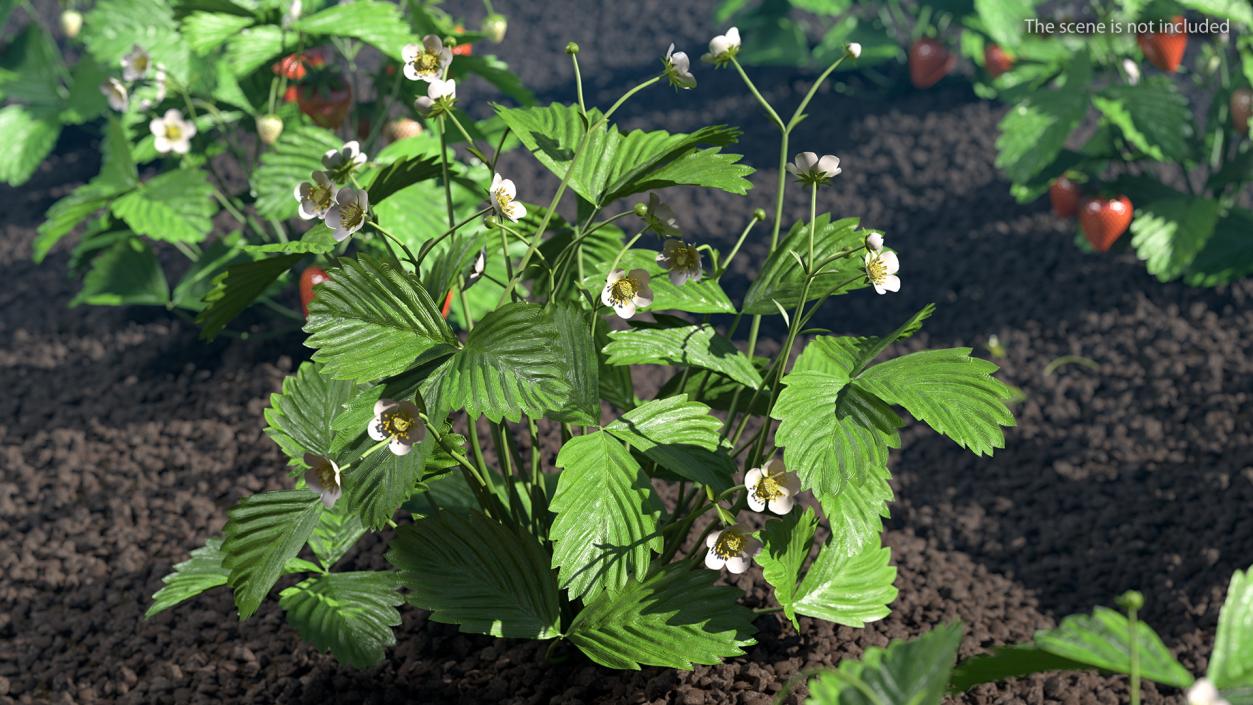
(398, 422)
(854, 50)
(1203, 692)
(135, 64)
(733, 547)
(340, 162)
(679, 69)
(439, 98)
(772, 486)
(881, 269)
(723, 47)
(476, 269)
(660, 218)
(1133, 71)
(681, 260)
(347, 214)
(323, 477)
(315, 196)
(503, 192)
(874, 242)
(427, 60)
(809, 168)
(115, 92)
(627, 291)
(172, 132)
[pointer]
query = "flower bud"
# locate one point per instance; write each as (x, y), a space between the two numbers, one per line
(269, 127)
(1130, 600)
(495, 27)
(759, 214)
(641, 209)
(572, 48)
(854, 50)
(874, 242)
(71, 23)
(489, 221)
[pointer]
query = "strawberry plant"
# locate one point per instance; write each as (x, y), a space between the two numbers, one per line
(472, 393)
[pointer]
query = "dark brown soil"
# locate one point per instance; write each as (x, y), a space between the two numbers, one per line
(123, 440)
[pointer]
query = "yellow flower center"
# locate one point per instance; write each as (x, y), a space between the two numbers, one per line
(768, 488)
(350, 215)
(173, 131)
(684, 257)
(503, 200)
(326, 476)
(396, 423)
(321, 196)
(140, 64)
(426, 63)
(876, 270)
(729, 545)
(623, 290)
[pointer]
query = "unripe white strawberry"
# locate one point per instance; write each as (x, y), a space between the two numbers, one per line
(269, 127)
(403, 128)
(495, 27)
(71, 23)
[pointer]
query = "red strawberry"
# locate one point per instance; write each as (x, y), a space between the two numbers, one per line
(996, 60)
(327, 106)
(1165, 50)
(294, 66)
(1241, 109)
(1064, 195)
(462, 49)
(311, 277)
(1104, 220)
(443, 311)
(929, 61)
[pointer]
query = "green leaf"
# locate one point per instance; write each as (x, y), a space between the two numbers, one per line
(680, 436)
(254, 47)
(579, 349)
(693, 345)
(118, 171)
(508, 367)
(905, 673)
(337, 532)
(126, 274)
(1226, 256)
(1153, 115)
(202, 571)
(1007, 662)
(206, 31)
(704, 296)
(1229, 664)
(297, 154)
(856, 514)
(31, 69)
(299, 418)
(1169, 234)
(606, 525)
(849, 590)
(351, 614)
(66, 214)
(1238, 11)
(471, 571)
(371, 320)
(262, 532)
(1103, 640)
(377, 485)
(317, 240)
(1005, 20)
(30, 137)
(113, 27)
(674, 619)
(376, 23)
(236, 289)
(614, 165)
(1034, 131)
(401, 174)
(782, 278)
(785, 547)
(176, 206)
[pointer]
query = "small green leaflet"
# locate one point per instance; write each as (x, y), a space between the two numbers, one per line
(176, 206)
(126, 274)
(1152, 115)
(579, 349)
(299, 419)
(31, 138)
(1007, 662)
(377, 485)
(264, 531)
(782, 279)
(376, 23)
(351, 614)
(200, 572)
(1168, 234)
(1034, 131)
(1229, 665)
(1103, 640)
(206, 31)
(785, 548)
(680, 436)
(849, 590)
(236, 289)
(674, 619)
(905, 673)
(606, 525)
(693, 345)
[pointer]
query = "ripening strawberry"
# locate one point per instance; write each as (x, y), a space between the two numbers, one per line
(929, 62)
(996, 60)
(1165, 49)
(1104, 220)
(1064, 195)
(311, 277)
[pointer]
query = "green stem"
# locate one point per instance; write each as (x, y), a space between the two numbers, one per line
(1135, 658)
(721, 267)
(813, 224)
(799, 114)
(443, 165)
(417, 263)
(752, 87)
(430, 244)
(578, 84)
(626, 247)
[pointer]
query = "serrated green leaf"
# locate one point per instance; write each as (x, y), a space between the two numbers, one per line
(262, 532)
(297, 154)
(1229, 664)
(1152, 115)
(318, 240)
(1005, 20)
(200, 572)
(1007, 662)
(849, 590)
(674, 619)
(905, 673)
(300, 417)
(254, 47)
(470, 571)
(377, 485)
(31, 69)
(1034, 131)
(578, 348)
(31, 137)
(66, 214)
(126, 274)
(694, 345)
(704, 296)
(951, 392)
(113, 27)
(176, 206)
(351, 614)
(206, 31)
(785, 547)
(1238, 11)
(856, 514)
(680, 436)
(1227, 255)
(782, 278)
(605, 528)
(376, 23)
(1103, 640)
(507, 368)
(373, 319)
(236, 289)
(1167, 235)
(337, 532)
(401, 174)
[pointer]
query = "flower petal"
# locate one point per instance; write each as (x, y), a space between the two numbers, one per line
(892, 283)
(890, 262)
(755, 503)
(399, 447)
(712, 561)
(737, 564)
(782, 504)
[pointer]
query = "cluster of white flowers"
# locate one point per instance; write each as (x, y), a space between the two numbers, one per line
(768, 487)
(429, 61)
(171, 133)
(344, 210)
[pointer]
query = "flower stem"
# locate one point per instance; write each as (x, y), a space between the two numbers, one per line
(721, 267)
(774, 116)
(578, 84)
(813, 224)
(626, 247)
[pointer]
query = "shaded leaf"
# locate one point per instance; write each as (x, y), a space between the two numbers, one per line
(262, 532)
(200, 572)
(350, 614)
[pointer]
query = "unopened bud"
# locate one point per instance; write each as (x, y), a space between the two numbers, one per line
(641, 209)
(759, 214)
(495, 27)
(854, 50)
(572, 48)
(269, 127)
(874, 242)
(71, 23)
(1130, 600)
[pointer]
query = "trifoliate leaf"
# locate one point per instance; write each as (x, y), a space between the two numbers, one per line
(236, 289)
(470, 571)
(674, 619)
(126, 274)
(372, 320)
(782, 279)
(1169, 234)
(377, 485)
(1229, 664)
(31, 137)
(262, 532)
(913, 672)
(1103, 640)
(200, 572)
(297, 154)
(785, 547)
(680, 436)
(693, 345)
(350, 614)
(299, 418)
(176, 206)
(849, 590)
(606, 525)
